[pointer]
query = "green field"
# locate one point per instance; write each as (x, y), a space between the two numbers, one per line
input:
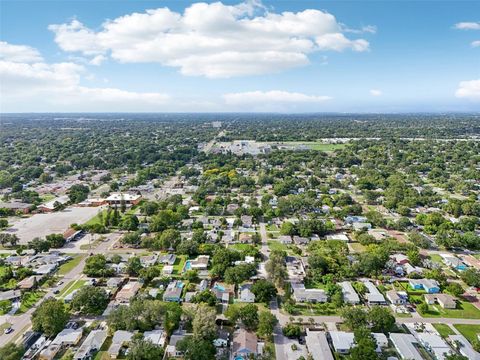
(71, 287)
(444, 330)
(277, 245)
(29, 299)
(469, 331)
(464, 310)
(96, 219)
(316, 145)
(70, 265)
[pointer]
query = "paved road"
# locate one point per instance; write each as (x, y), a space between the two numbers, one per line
(22, 322)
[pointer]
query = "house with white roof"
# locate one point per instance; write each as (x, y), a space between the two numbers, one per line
(317, 345)
(374, 296)
(92, 344)
(350, 296)
(404, 344)
(301, 294)
(464, 347)
(435, 344)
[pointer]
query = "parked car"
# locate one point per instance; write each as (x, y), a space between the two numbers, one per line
(8, 330)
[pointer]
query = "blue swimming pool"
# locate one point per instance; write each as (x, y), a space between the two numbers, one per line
(188, 265)
(221, 288)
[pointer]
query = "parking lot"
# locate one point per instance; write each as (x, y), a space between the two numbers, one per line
(40, 225)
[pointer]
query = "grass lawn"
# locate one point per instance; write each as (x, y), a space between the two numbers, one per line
(179, 264)
(469, 331)
(272, 227)
(357, 247)
(96, 219)
(242, 247)
(71, 287)
(103, 354)
(436, 258)
(444, 330)
(29, 299)
(464, 310)
(277, 245)
(317, 145)
(316, 309)
(70, 265)
(4, 326)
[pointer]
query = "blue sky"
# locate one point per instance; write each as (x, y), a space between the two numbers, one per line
(322, 56)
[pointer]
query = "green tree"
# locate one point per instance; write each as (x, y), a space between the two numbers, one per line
(50, 317)
(264, 291)
(266, 323)
(134, 266)
(141, 349)
(11, 351)
(381, 319)
(203, 324)
(96, 266)
(365, 345)
(354, 317)
(196, 349)
(90, 300)
(292, 330)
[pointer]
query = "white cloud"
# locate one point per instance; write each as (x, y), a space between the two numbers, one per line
(212, 40)
(476, 43)
(376, 92)
(469, 90)
(273, 96)
(467, 26)
(18, 53)
(59, 84)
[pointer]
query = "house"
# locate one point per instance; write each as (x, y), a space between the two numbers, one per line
(247, 221)
(350, 296)
(317, 345)
(396, 298)
(52, 205)
(298, 240)
(171, 349)
(156, 337)
(400, 259)
(68, 337)
(16, 206)
(49, 352)
(409, 269)
(285, 239)
(359, 226)
(222, 293)
(338, 237)
(374, 296)
(435, 344)
(10, 295)
(454, 262)
(203, 285)
(444, 300)
(404, 345)
(148, 260)
(429, 285)
(173, 292)
(168, 259)
(200, 263)
(45, 269)
(231, 208)
(128, 291)
(464, 347)
(342, 341)
(221, 340)
(92, 344)
(29, 283)
(123, 198)
(119, 339)
(114, 282)
(244, 345)
(167, 270)
(245, 238)
(245, 294)
(301, 294)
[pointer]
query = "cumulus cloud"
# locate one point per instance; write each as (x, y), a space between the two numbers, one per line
(22, 53)
(376, 92)
(60, 84)
(212, 40)
(467, 26)
(469, 90)
(273, 96)
(476, 43)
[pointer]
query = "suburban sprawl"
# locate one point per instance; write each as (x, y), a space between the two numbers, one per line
(239, 236)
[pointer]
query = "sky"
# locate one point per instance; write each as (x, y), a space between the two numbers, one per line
(232, 56)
